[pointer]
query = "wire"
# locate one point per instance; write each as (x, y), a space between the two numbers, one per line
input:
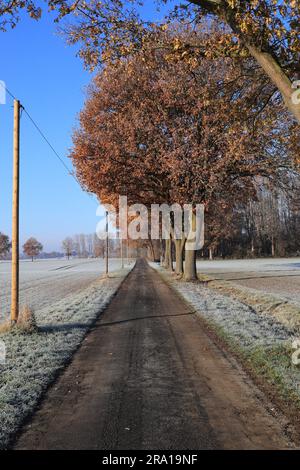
(70, 172)
(5, 88)
(50, 145)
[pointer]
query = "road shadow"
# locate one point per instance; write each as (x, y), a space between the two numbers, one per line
(82, 326)
(63, 327)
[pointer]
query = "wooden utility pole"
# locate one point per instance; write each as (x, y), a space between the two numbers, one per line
(106, 255)
(15, 216)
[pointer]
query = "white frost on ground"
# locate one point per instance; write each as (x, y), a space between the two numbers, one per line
(238, 319)
(44, 282)
(262, 338)
(277, 276)
(33, 360)
(268, 285)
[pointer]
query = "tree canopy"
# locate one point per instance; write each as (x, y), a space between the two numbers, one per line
(159, 129)
(32, 247)
(267, 29)
(5, 245)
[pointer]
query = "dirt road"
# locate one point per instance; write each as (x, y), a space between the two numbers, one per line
(148, 377)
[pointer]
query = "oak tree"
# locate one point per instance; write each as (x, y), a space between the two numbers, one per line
(267, 29)
(5, 245)
(32, 248)
(161, 130)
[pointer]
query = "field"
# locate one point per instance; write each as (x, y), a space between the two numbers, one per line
(278, 276)
(44, 282)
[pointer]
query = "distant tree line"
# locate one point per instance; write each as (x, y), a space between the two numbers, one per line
(31, 248)
(90, 246)
(267, 225)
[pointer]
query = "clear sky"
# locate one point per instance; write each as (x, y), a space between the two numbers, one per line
(44, 73)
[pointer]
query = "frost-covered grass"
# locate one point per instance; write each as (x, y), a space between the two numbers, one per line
(259, 338)
(44, 282)
(285, 311)
(33, 360)
(229, 267)
(279, 277)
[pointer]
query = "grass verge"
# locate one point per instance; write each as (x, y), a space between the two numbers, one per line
(288, 313)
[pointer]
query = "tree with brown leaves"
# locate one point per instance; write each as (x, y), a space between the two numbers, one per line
(32, 248)
(268, 30)
(161, 130)
(5, 245)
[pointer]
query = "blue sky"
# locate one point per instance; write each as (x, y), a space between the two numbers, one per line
(44, 73)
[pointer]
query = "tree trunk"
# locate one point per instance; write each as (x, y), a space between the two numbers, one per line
(168, 264)
(273, 246)
(179, 247)
(156, 245)
(163, 253)
(278, 77)
(264, 59)
(150, 246)
(166, 259)
(190, 270)
(169, 254)
(252, 246)
(211, 254)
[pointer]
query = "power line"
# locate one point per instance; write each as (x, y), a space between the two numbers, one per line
(6, 89)
(47, 141)
(54, 151)
(50, 145)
